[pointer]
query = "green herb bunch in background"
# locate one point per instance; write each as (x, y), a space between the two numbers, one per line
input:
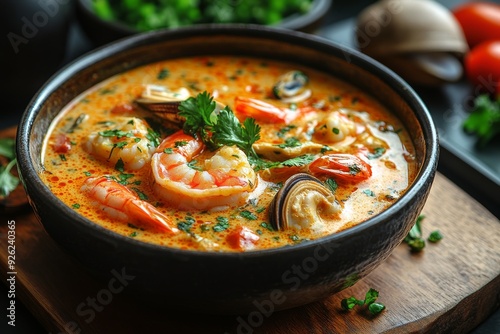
(147, 15)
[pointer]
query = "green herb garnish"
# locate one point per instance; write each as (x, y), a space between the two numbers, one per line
(370, 298)
(221, 225)
(226, 129)
(414, 238)
(8, 182)
(377, 153)
(435, 236)
(290, 142)
(484, 120)
(248, 215)
(331, 184)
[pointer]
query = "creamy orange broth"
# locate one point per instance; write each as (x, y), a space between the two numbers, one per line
(225, 78)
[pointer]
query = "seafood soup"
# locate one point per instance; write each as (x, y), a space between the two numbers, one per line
(227, 153)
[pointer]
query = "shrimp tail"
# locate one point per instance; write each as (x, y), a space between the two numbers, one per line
(122, 202)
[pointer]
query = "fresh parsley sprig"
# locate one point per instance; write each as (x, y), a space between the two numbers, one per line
(484, 119)
(218, 128)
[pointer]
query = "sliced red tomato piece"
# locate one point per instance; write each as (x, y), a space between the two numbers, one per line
(62, 144)
(242, 238)
(341, 167)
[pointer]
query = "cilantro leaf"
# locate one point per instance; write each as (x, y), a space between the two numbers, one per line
(225, 129)
(198, 113)
(484, 120)
(229, 131)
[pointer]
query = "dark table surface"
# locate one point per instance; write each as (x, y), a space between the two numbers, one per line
(338, 26)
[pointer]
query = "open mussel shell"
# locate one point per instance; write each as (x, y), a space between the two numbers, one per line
(165, 103)
(291, 87)
(287, 205)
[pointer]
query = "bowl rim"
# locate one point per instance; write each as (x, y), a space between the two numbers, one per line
(318, 10)
(425, 173)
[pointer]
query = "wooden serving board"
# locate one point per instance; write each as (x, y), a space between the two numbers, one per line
(451, 286)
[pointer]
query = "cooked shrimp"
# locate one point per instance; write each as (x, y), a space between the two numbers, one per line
(121, 203)
(225, 179)
(126, 140)
(266, 112)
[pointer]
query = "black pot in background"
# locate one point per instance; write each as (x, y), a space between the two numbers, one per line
(34, 36)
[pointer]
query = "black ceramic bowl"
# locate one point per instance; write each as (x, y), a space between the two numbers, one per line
(103, 31)
(229, 282)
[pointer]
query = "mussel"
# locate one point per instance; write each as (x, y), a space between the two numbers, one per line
(303, 202)
(164, 102)
(291, 87)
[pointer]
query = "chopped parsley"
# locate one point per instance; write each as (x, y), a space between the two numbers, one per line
(331, 184)
(180, 143)
(267, 226)
(75, 206)
(368, 192)
(281, 133)
(435, 236)
(290, 142)
(76, 123)
(193, 165)
(414, 238)
(248, 215)
(164, 73)
(120, 165)
(116, 133)
(221, 225)
(377, 153)
(370, 302)
(140, 194)
(186, 224)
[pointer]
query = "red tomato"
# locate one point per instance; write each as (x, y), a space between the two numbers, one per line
(242, 238)
(482, 65)
(62, 144)
(480, 21)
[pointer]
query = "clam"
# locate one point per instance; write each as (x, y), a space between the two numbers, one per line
(291, 87)
(303, 202)
(419, 39)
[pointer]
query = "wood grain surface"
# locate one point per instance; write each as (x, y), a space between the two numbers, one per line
(450, 287)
